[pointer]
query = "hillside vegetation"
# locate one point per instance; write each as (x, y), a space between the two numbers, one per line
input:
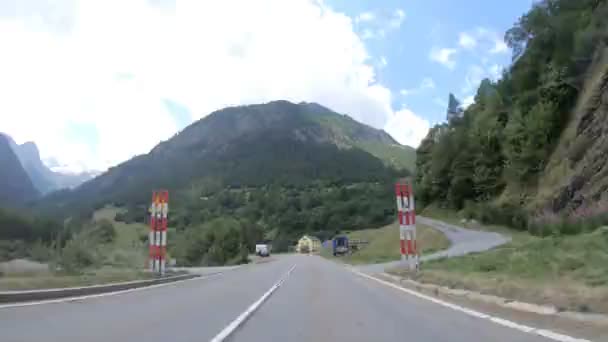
(531, 151)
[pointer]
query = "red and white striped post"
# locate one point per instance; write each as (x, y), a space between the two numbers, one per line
(407, 224)
(158, 231)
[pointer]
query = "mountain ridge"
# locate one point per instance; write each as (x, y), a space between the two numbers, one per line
(44, 179)
(16, 185)
(254, 145)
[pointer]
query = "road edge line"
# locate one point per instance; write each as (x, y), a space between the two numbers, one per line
(231, 328)
(104, 294)
(500, 321)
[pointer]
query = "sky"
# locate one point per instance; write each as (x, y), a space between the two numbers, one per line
(95, 83)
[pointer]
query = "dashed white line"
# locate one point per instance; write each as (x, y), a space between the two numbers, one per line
(506, 323)
(230, 328)
(105, 294)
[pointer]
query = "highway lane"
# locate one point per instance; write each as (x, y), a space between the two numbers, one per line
(319, 301)
(322, 301)
(190, 311)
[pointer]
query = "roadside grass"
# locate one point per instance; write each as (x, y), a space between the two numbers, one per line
(31, 281)
(569, 272)
(128, 249)
(383, 244)
(122, 259)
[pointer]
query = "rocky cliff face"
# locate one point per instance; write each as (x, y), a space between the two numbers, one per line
(579, 165)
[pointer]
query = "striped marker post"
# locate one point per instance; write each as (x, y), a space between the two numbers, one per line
(158, 231)
(407, 225)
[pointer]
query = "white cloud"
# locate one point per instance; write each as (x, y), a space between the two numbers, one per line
(378, 25)
(368, 34)
(467, 101)
(407, 127)
(383, 62)
(114, 62)
(365, 17)
(496, 42)
(426, 83)
(495, 72)
(466, 41)
(499, 47)
(444, 56)
(484, 38)
(397, 19)
(474, 75)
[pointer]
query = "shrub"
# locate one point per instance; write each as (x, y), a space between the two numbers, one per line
(470, 210)
(40, 252)
(105, 231)
(76, 256)
(569, 227)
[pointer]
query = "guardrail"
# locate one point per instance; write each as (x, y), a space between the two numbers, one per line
(35, 295)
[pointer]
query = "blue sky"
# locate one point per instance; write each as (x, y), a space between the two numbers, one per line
(107, 80)
(432, 24)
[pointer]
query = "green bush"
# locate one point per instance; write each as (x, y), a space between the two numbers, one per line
(12, 249)
(76, 256)
(40, 252)
(104, 231)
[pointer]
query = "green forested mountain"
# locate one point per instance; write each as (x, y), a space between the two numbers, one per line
(271, 171)
(249, 146)
(16, 187)
(535, 141)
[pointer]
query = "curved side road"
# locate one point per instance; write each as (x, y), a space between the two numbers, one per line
(462, 241)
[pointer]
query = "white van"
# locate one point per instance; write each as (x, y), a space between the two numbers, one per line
(262, 250)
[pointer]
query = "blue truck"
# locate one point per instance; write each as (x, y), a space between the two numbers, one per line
(340, 245)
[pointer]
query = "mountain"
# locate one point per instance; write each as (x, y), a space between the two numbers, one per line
(278, 143)
(16, 185)
(44, 179)
(532, 150)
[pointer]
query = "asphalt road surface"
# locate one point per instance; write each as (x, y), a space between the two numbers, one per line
(462, 241)
(319, 301)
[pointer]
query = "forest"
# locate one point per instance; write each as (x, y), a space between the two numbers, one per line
(487, 159)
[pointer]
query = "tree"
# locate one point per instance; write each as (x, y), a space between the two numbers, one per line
(454, 109)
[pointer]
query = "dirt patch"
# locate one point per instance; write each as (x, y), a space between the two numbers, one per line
(22, 266)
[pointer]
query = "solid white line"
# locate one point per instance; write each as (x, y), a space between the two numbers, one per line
(230, 328)
(524, 328)
(105, 294)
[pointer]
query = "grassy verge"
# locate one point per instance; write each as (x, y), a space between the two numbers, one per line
(570, 272)
(49, 280)
(122, 259)
(384, 244)
(128, 249)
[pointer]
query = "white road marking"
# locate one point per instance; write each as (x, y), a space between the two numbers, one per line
(230, 328)
(524, 328)
(105, 294)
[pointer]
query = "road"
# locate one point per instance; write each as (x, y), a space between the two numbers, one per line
(462, 241)
(319, 301)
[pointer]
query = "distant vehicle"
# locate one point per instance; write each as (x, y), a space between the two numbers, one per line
(262, 250)
(340, 245)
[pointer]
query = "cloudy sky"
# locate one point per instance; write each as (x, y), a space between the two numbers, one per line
(94, 83)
